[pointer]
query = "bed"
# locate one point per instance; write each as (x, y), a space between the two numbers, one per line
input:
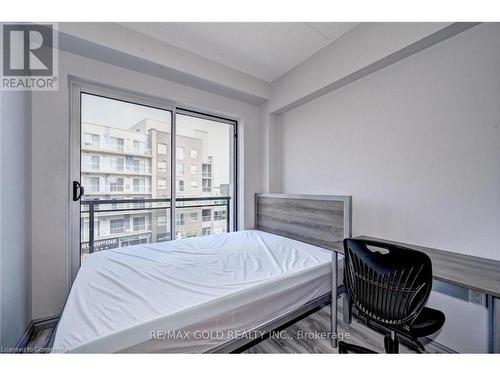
(206, 294)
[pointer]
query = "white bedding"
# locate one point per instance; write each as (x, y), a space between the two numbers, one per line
(145, 298)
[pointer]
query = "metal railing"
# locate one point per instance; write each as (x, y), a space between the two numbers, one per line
(137, 205)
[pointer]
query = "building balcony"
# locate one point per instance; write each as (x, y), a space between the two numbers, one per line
(146, 190)
(121, 172)
(108, 149)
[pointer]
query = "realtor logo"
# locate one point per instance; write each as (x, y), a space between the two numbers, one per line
(29, 57)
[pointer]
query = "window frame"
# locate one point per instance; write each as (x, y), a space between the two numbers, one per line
(204, 217)
(114, 141)
(220, 215)
(116, 161)
(178, 186)
(91, 145)
(141, 184)
(122, 226)
(162, 169)
(113, 186)
(162, 222)
(142, 225)
(180, 218)
(158, 149)
(92, 165)
(91, 178)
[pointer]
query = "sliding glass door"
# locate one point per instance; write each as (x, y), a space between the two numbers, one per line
(126, 198)
(151, 173)
(205, 169)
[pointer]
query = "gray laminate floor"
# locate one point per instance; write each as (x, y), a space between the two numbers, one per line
(308, 335)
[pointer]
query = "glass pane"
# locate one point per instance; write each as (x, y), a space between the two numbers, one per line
(204, 169)
(125, 162)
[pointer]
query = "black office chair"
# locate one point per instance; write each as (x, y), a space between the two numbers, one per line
(390, 286)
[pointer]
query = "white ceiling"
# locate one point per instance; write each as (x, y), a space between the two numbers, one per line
(263, 50)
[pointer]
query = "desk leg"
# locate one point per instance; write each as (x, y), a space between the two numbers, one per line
(334, 299)
(347, 309)
(494, 324)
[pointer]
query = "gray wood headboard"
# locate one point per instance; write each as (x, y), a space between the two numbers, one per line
(320, 220)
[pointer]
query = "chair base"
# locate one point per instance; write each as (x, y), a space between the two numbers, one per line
(391, 345)
(345, 348)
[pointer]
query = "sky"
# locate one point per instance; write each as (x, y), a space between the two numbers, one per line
(123, 115)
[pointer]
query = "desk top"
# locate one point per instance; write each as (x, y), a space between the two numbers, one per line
(467, 271)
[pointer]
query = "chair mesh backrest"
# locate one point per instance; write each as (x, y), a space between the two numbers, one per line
(390, 287)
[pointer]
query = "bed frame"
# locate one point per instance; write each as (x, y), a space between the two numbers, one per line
(319, 220)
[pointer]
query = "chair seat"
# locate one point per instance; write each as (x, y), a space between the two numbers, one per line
(429, 321)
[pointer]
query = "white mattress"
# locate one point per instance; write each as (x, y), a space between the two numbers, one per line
(188, 295)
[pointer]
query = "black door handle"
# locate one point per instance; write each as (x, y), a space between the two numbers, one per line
(78, 191)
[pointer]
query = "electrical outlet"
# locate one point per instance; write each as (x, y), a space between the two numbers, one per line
(477, 298)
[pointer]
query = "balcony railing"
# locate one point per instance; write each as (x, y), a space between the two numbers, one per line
(113, 149)
(102, 207)
(107, 169)
(120, 189)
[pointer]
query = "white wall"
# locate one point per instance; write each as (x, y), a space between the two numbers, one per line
(125, 47)
(362, 46)
(15, 159)
(416, 144)
(50, 227)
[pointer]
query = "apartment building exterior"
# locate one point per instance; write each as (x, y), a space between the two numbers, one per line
(135, 163)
